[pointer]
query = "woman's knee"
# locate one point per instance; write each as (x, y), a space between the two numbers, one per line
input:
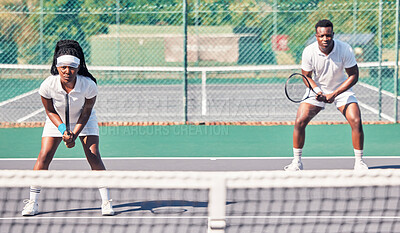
(47, 151)
(43, 161)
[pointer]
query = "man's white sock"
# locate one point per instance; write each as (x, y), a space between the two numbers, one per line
(105, 194)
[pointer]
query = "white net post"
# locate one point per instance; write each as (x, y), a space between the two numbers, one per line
(217, 206)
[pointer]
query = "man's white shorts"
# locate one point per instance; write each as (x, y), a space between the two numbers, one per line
(342, 99)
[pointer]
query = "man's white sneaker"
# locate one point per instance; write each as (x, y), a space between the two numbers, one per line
(360, 165)
(30, 209)
(106, 209)
(294, 166)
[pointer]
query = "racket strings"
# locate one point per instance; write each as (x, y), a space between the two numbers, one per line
(295, 88)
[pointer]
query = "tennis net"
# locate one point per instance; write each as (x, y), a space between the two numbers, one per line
(213, 202)
(213, 94)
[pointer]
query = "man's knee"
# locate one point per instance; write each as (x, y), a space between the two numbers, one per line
(355, 123)
(300, 123)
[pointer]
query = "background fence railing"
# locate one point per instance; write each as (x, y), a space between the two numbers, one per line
(204, 61)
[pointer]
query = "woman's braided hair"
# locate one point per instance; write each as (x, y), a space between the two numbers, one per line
(70, 47)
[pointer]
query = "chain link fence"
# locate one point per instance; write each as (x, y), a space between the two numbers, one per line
(207, 61)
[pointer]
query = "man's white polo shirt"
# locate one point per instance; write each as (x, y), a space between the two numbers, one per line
(328, 70)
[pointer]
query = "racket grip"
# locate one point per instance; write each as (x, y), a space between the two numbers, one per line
(70, 145)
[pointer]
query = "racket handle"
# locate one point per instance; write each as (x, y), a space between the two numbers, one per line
(70, 145)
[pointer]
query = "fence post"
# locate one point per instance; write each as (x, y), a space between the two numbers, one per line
(396, 71)
(380, 62)
(275, 17)
(203, 92)
(118, 24)
(42, 55)
(185, 32)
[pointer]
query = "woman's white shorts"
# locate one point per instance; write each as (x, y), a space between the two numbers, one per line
(91, 128)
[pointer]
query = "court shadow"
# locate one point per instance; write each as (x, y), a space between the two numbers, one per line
(162, 206)
(155, 207)
(386, 167)
(69, 210)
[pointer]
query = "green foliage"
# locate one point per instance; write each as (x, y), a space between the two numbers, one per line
(61, 19)
(81, 19)
(76, 24)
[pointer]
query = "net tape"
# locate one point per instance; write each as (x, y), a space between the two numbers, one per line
(202, 180)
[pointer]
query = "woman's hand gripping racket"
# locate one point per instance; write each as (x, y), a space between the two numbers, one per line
(294, 89)
(70, 141)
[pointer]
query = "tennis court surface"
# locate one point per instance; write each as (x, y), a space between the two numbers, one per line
(177, 194)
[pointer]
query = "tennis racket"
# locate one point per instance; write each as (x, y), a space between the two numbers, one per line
(294, 88)
(67, 124)
(67, 113)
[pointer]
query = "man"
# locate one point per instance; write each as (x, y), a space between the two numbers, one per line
(329, 61)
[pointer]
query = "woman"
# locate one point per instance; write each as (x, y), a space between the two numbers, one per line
(70, 80)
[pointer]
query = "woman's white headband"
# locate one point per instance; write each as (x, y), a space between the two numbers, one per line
(68, 60)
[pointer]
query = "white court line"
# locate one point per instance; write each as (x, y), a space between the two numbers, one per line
(105, 217)
(210, 158)
(30, 115)
(387, 117)
(206, 217)
(18, 97)
(377, 90)
(316, 217)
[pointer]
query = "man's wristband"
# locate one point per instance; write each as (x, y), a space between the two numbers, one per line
(62, 128)
(317, 90)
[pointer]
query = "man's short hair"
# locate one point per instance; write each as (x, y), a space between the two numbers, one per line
(324, 23)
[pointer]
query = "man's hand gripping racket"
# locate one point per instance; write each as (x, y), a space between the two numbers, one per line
(294, 89)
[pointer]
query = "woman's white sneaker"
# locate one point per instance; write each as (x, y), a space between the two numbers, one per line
(106, 209)
(31, 208)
